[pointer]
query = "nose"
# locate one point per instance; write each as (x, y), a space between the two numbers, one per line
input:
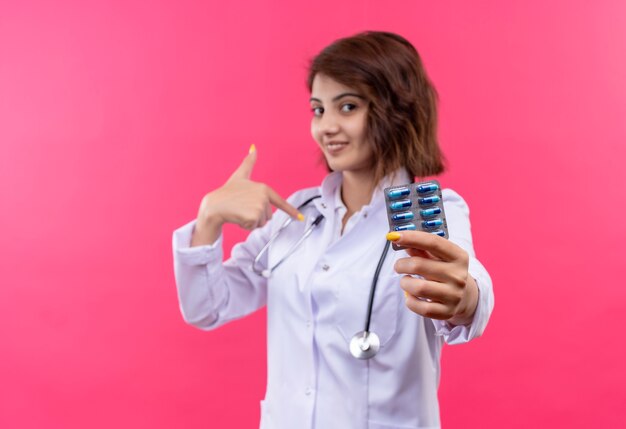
(328, 124)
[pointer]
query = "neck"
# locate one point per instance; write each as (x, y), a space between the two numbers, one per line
(357, 188)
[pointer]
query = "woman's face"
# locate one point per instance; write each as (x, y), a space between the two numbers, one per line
(339, 125)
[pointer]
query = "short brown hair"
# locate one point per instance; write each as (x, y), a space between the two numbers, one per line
(402, 117)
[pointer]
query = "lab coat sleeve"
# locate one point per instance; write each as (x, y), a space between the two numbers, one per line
(459, 229)
(211, 292)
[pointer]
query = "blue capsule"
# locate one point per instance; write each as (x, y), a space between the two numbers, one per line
(428, 200)
(406, 227)
(430, 212)
(429, 187)
(403, 216)
(439, 232)
(400, 205)
(398, 193)
(432, 223)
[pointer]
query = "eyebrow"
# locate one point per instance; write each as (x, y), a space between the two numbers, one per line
(345, 94)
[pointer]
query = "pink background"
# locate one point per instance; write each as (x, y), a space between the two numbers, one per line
(117, 117)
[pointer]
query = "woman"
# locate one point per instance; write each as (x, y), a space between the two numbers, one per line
(374, 118)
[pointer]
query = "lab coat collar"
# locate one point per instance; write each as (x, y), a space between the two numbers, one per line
(398, 177)
(330, 190)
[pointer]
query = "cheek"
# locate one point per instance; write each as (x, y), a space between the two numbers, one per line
(316, 132)
(358, 126)
(358, 132)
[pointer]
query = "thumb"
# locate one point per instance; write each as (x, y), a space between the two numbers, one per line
(244, 171)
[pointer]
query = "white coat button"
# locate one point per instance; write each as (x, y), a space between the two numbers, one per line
(308, 391)
(325, 267)
(323, 205)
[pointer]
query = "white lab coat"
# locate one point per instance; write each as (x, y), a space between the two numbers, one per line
(317, 300)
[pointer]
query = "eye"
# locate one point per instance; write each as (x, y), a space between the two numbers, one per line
(348, 107)
(317, 111)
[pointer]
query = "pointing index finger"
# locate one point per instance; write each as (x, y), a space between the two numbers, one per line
(278, 202)
(420, 240)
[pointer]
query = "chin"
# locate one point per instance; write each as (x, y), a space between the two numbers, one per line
(344, 163)
(337, 166)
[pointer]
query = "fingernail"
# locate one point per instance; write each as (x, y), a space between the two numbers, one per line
(300, 217)
(394, 236)
(406, 294)
(252, 148)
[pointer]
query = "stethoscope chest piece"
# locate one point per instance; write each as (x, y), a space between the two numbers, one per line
(364, 345)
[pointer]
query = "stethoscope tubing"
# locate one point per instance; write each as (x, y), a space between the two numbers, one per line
(293, 248)
(364, 344)
(266, 273)
(370, 304)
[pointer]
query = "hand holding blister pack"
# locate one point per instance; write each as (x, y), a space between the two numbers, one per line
(416, 207)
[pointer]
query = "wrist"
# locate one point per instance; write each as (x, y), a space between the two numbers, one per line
(210, 219)
(207, 230)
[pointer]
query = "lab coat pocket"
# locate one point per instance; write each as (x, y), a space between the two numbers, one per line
(352, 303)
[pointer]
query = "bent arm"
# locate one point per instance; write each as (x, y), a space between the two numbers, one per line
(212, 292)
(459, 228)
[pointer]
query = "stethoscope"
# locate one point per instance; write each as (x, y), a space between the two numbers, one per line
(364, 344)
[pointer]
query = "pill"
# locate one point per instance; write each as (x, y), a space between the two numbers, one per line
(399, 205)
(406, 227)
(430, 212)
(439, 233)
(426, 188)
(432, 223)
(428, 200)
(403, 216)
(398, 193)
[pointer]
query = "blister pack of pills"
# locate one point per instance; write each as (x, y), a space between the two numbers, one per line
(416, 207)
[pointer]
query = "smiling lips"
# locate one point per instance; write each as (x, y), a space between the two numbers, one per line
(335, 147)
